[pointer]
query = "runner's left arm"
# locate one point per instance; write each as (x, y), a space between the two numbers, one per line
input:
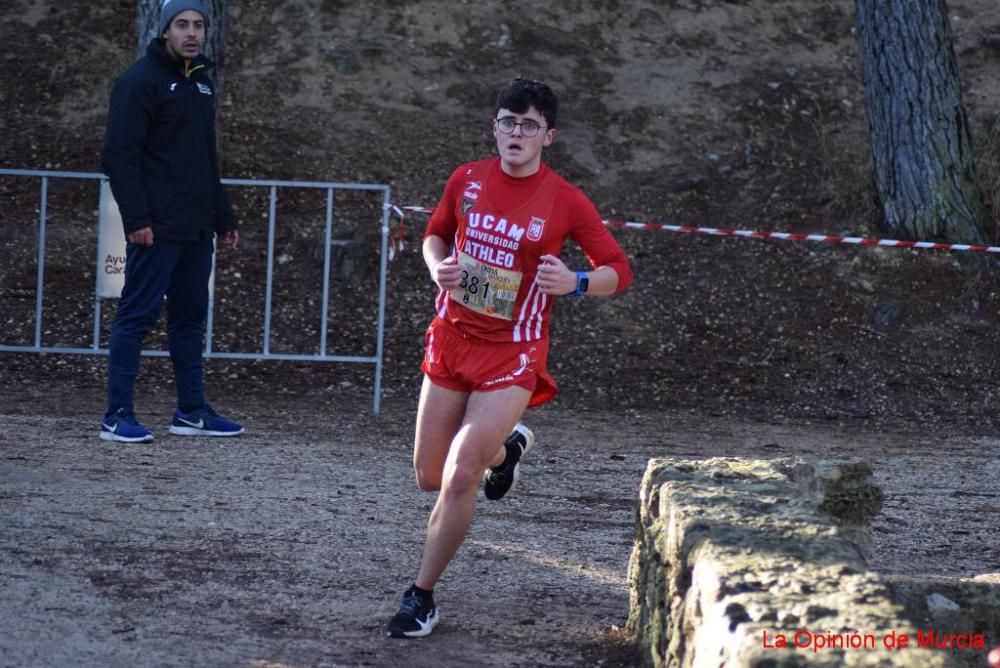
(601, 249)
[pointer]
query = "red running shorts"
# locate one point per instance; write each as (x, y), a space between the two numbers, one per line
(465, 363)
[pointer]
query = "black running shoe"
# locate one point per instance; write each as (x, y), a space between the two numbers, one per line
(416, 617)
(497, 482)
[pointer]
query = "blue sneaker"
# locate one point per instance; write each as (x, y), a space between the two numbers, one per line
(203, 422)
(121, 425)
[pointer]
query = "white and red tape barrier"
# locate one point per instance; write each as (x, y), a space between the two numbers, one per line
(754, 234)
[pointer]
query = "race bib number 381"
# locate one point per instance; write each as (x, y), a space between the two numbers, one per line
(486, 289)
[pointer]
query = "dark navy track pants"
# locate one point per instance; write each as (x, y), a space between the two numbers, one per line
(180, 271)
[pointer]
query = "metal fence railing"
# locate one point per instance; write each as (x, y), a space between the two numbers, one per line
(328, 245)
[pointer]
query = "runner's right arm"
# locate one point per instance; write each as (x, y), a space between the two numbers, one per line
(442, 265)
(441, 230)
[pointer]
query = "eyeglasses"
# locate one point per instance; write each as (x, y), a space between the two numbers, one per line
(528, 128)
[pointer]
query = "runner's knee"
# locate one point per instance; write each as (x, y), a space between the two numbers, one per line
(427, 481)
(461, 478)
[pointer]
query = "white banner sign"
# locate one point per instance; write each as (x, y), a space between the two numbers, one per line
(110, 246)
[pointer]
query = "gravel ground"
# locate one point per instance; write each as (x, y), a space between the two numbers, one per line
(291, 545)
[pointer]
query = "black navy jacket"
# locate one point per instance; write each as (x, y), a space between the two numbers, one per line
(159, 149)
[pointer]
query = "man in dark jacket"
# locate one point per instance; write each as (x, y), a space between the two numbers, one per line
(159, 153)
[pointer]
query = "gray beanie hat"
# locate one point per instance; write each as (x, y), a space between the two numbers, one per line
(172, 8)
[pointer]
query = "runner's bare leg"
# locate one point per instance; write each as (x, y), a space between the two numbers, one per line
(489, 419)
(439, 417)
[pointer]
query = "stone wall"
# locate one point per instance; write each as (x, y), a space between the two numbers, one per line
(952, 606)
(733, 557)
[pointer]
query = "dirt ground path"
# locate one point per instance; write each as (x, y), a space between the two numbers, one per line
(290, 546)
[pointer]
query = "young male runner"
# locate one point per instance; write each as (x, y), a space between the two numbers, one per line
(492, 247)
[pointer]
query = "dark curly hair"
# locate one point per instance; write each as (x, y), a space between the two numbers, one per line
(520, 94)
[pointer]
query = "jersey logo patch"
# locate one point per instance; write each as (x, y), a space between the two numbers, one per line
(471, 194)
(535, 228)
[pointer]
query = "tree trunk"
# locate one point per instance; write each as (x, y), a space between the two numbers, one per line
(920, 137)
(149, 16)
